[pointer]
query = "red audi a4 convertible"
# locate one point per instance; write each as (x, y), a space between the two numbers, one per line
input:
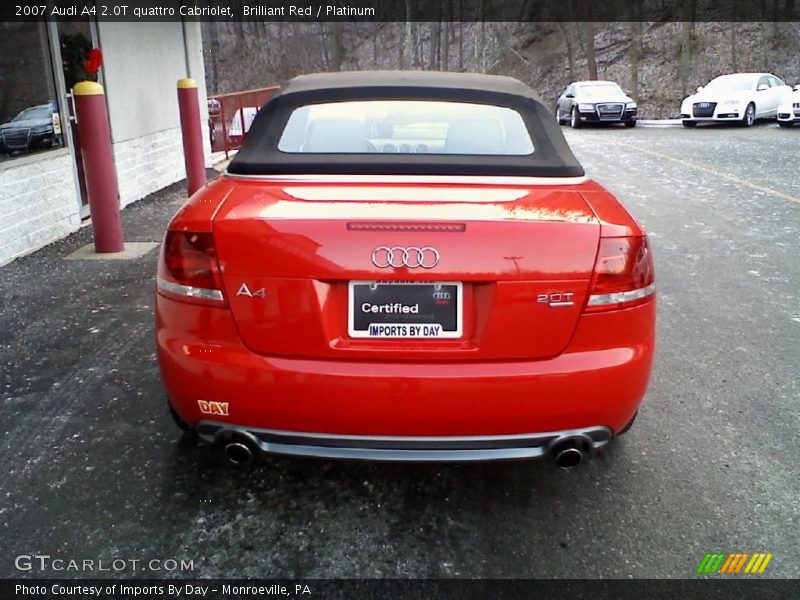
(405, 266)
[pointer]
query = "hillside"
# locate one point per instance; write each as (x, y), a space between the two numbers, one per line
(673, 58)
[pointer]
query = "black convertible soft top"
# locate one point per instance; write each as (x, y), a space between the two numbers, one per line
(260, 155)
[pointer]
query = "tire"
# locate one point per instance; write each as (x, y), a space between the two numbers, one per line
(559, 120)
(749, 115)
(785, 123)
(574, 119)
(627, 427)
(690, 123)
(630, 123)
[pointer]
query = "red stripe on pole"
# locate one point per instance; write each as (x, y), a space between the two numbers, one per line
(98, 165)
(194, 157)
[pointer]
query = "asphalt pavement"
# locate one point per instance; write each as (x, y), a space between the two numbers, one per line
(93, 467)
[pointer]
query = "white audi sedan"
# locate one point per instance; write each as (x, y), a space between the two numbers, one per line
(736, 98)
(789, 110)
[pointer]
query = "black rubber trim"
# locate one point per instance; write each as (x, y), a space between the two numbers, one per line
(260, 155)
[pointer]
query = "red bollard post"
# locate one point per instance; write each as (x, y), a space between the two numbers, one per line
(192, 134)
(98, 166)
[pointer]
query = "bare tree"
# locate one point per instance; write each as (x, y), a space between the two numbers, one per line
(214, 48)
(635, 28)
(636, 57)
(408, 43)
(591, 59)
(324, 50)
(460, 36)
(418, 43)
(479, 39)
(261, 28)
(241, 37)
(336, 48)
(789, 15)
(375, 33)
(685, 55)
(434, 50)
(565, 29)
(688, 9)
(448, 30)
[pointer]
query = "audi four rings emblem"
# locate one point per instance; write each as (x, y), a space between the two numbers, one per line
(412, 257)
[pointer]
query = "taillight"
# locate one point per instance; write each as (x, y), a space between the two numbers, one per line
(189, 270)
(623, 274)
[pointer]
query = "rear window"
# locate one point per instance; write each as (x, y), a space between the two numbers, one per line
(406, 127)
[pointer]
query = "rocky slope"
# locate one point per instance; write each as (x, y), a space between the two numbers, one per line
(674, 58)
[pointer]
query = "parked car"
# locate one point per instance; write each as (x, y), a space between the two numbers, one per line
(405, 266)
(32, 129)
(736, 98)
(789, 110)
(595, 102)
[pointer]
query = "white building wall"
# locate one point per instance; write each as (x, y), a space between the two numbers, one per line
(142, 66)
(148, 163)
(197, 70)
(38, 203)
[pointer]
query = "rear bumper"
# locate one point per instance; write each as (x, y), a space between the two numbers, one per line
(599, 381)
(400, 448)
(731, 115)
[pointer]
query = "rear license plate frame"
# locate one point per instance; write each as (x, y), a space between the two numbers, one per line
(407, 321)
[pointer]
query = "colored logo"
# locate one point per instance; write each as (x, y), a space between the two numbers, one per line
(208, 407)
(735, 563)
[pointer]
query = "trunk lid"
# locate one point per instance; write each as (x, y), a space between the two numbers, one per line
(521, 258)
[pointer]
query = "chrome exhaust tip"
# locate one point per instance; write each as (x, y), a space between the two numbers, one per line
(569, 458)
(569, 452)
(239, 454)
(240, 448)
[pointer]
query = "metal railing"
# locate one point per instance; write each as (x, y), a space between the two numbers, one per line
(230, 116)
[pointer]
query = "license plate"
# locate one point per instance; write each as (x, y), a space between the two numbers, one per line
(414, 310)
